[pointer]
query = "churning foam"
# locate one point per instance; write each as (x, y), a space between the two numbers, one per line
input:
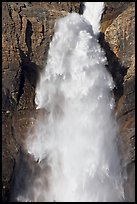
(78, 137)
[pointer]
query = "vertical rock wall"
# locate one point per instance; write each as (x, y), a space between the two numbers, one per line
(118, 39)
(27, 29)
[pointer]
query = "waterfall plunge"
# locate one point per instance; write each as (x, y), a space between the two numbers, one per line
(77, 139)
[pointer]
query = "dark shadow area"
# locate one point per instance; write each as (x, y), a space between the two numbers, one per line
(29, 71)
(24, 172)
(117, 70)
(82, 7)
(21, 86)
(23, 182)
(28, 35)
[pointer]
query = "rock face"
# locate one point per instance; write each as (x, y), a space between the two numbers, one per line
(118, 27)
(27, 29)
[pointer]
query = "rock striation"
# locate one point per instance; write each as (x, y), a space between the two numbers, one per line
(27, 30)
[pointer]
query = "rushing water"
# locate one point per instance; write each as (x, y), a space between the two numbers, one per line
(77, 138)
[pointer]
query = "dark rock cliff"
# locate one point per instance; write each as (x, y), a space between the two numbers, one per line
(27, 29)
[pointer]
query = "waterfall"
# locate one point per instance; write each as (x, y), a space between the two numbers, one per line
(76, 136)
(92, 13)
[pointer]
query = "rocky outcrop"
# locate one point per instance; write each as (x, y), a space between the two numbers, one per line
(27, 29)
(118, 40)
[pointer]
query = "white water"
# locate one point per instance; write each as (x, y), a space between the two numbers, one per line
(77, 139)
(92, 13)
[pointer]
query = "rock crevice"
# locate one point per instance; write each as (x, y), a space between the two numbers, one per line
(27, 30)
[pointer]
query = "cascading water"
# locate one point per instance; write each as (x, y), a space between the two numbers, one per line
(77, 138)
